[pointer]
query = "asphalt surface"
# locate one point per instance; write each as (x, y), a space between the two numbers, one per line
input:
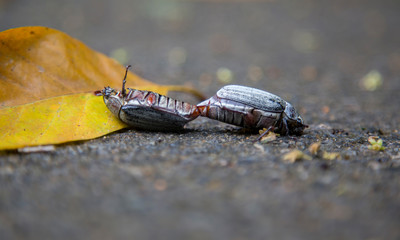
(211, 181)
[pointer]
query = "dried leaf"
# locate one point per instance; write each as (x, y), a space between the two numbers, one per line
(51, 73)
(271, 136)
(261, 131)
(38, 63)
(313, 148)
(295, 155)
(330, 155)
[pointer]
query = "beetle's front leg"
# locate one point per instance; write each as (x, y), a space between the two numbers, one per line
(283, 126)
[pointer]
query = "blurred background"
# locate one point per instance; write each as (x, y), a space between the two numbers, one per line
(283, 45)
(314, 53)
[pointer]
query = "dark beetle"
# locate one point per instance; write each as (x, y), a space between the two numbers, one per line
(148, 110)
(252, 108)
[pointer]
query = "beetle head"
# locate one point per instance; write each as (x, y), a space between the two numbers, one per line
(294, 120)
(112, 99)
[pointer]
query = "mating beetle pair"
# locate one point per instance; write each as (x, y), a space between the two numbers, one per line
(238, 105)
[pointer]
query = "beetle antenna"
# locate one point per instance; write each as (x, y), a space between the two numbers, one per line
(123, 92)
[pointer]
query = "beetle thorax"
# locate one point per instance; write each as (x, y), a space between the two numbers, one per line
(290, 112)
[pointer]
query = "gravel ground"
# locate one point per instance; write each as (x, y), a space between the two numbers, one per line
(211, 181)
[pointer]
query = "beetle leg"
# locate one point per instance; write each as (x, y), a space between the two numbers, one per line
(123, 91)
(285, 128)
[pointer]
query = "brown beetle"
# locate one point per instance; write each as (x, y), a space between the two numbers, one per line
(252, 108)
(148, 110)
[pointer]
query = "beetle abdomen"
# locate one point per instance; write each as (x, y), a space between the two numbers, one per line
(236, 113)
(214, 110)
(152, 111)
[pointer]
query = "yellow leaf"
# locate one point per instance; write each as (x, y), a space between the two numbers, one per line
(45, 77)
(53, 121)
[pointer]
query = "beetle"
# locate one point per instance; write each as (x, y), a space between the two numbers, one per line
(254, 109)
(148, 110)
